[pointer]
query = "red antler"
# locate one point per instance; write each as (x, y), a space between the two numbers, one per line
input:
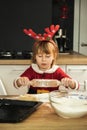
(32, 34)
(50, 31)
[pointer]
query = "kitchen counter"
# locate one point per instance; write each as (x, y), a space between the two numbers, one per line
(73, 59)
(44, 118)
(63, 59)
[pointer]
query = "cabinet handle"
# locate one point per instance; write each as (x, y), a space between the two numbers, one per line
(77, 69)
(83, 44)
(17, 70)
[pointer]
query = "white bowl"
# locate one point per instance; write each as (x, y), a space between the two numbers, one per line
(69, 104)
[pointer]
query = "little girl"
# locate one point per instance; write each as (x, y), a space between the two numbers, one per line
(45, 53)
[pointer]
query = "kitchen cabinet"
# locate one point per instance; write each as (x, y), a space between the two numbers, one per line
(10, 72)
(79, 73)
(80, 27)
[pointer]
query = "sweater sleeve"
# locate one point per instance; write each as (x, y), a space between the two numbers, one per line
(27, 73)
(62, 74)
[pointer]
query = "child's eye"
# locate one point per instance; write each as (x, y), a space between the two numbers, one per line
(39, 55)
(47, 56)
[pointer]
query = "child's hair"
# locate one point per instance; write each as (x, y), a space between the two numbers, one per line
(45, 46)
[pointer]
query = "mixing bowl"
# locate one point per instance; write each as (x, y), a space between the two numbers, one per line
(69, 104)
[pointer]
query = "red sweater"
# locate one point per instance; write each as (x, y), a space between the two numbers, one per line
(33, 72)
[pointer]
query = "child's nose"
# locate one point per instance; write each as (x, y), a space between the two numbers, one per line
(43, 58)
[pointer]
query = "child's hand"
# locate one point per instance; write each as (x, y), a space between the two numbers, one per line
(67, 82)
(23, 81)
(33, 83)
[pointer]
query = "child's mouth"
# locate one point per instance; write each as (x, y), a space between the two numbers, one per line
(43, 64)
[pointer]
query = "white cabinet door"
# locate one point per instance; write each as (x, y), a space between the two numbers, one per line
(10, 72)
(83, 28)
(80, 27)
(78, 72)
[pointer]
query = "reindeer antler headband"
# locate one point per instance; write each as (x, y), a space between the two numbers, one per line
(49, 33)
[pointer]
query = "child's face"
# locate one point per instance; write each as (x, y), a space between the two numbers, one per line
(44, 61)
